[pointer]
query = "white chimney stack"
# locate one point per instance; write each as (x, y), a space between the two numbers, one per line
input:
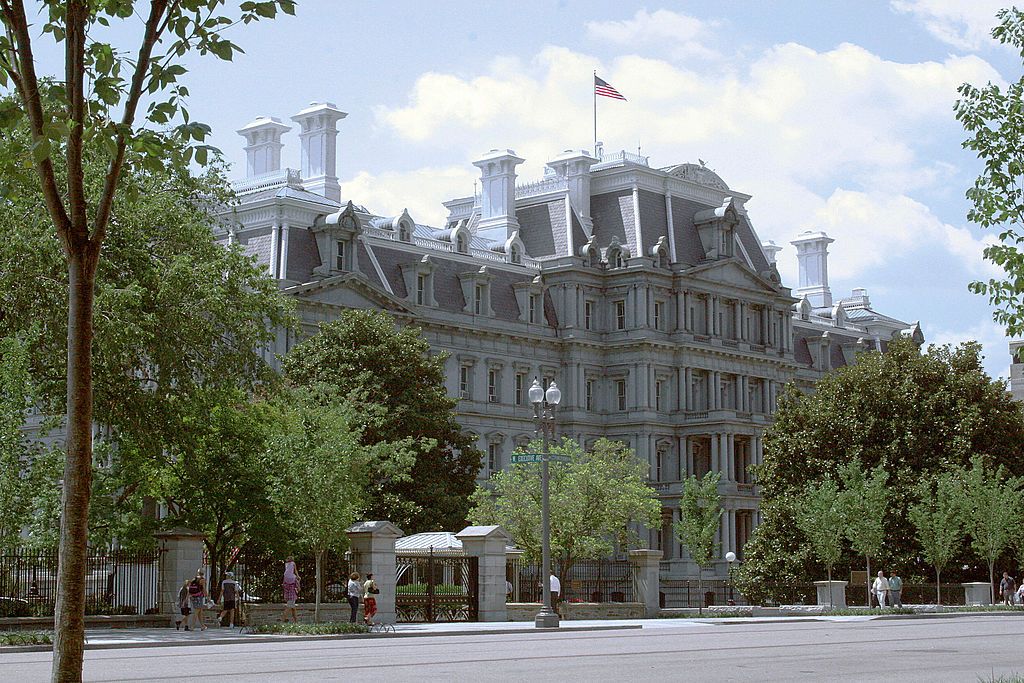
(498, 194)
(319, 138)
(770, 250)
(812, 255)
(263, 145)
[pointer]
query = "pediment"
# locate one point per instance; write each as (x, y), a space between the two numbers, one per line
(734, 273)
(346, 290)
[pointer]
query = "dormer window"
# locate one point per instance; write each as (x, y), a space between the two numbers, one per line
(662, 258)
(615, 259)
(515, 256)
(479, 298)
(340, 262)
(727, 241)
(421, 289)
(403, 233)
(462, 243)
(535, 308)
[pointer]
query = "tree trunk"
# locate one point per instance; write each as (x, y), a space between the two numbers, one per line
(992, 582)
(868, 557)
(831, 605)
(700, 590)
(69, 612)
(938, 586)
(319, 582)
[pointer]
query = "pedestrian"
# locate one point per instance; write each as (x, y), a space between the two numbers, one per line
(291, 584)
(228, 594)
(197, 598)
(508, 591)
(555, 587)
(354, 591)
(1020, 593)
(1007, 587)
(880, 588)
(370, 592)
(895, 590)
(184, 607)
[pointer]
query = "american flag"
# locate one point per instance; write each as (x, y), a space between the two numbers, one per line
(605, 89)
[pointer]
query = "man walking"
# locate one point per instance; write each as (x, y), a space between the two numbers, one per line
(1007, 587)
(228, 594)
(895, 590)
(880, 588)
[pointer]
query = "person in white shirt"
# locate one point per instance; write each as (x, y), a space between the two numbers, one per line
(880, 588)
(556, 592)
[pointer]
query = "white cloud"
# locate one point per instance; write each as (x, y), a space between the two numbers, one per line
(964, 24)
(992, 338)
(679, 34)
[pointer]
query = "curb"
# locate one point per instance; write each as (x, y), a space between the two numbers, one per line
(254, 638)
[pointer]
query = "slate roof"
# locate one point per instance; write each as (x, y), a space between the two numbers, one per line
(542, 228)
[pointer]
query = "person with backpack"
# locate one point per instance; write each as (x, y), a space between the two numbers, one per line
(184, 607)
(354, 590)
(228, 594)
(197, 599)
(370, 592)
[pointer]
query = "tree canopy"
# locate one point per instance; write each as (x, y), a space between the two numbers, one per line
(363, 354)
(903, 412)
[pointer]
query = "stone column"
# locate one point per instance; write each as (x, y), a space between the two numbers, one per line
(688, 389)
(181, 554)
(646, 564)
(689, 458)
(730, 459)
(275, 238)
(488, 543)
(716, 462)
(373, 550)
(709, 315)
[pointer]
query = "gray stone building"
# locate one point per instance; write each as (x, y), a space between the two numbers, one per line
(645, 293)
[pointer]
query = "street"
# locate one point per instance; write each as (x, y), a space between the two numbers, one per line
(938, 649)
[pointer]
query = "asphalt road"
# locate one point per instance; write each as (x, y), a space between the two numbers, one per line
(947, 649)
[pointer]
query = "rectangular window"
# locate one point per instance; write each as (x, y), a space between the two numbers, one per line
(478, 299)
(588, 315)
(520, 388)
(659, 315)
(339, 262)
(657, 394)
(590, 394)
(493, 457)
(659, 464)
(620, 393)
(534, 308)
(421, 289)
(492, 386)
(464, 381)
(620, 315)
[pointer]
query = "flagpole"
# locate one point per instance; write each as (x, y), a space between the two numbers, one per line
(593, 88)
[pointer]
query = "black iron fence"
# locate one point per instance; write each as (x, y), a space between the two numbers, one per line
(585, 581)
(706, 593)
(437, 586)
(116, 582)
(260, 576)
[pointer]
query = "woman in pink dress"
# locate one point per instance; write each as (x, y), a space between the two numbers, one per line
(291, 589)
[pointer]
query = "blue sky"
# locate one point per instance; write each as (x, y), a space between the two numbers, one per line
(833, 115)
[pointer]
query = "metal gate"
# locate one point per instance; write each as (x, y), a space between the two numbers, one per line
(437, 587)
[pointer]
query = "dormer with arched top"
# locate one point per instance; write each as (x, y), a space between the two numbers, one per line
(717, 229)
(591, 255)
(660, 252)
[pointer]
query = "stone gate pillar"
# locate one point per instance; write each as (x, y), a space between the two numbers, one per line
(647, 565)
(373, 549)
(181, 554)
(488, 543)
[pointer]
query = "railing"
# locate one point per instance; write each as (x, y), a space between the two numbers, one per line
(586, 580)
(623, 155)
(280, 178)
(260, 577)
(691, 593)
(696, 414)
(543, 186)
(439, 586)
(701, 338)
(116, 582)
(730, 343)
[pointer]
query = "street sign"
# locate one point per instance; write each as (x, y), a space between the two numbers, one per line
(524, 458)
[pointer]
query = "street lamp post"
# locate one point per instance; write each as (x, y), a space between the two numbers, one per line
(544, 405)
(730, 557)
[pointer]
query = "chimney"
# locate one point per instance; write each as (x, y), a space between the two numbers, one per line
(812, 255)
(263, 145)
(574, 167)
(770, 250)
(497, 194)
(319, 139)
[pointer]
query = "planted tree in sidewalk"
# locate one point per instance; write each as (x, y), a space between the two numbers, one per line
(595, 499)
(99, 96)
(327, 475)
(819, 516)
(991, 509)
(700, 514)
(865, 502)
(937, 517)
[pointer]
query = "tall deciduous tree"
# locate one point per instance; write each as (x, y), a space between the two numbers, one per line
(15, 393)
(326, 472)
(937, 517)
(595, 497)
(908, 413)
(99, 96)
(865, 501)
(819, 516)
(992, 504)
(990, 114)
(364, 354)
(700, 513)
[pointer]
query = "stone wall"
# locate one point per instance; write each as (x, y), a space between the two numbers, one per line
(269, 612)
(576, 611)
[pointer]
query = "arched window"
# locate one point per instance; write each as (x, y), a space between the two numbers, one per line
(462, 243)
(662, 258)
(615, 259)
(514, 255)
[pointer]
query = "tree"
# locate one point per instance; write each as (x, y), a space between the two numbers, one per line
(991, 512)
(15, 391)
(819, 516)
(864, 501)
(700, 513)
(937, 517)
(595, 497)
(99, 99)
(363, 354)
(909, 413)
(327, 470)
(991, 117)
